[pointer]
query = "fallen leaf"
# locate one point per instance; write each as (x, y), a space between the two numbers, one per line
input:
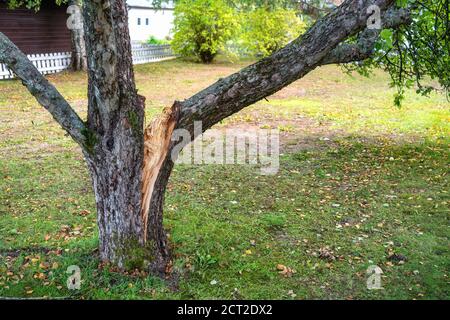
(280, 267)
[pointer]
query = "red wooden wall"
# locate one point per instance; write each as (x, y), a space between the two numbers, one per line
(44, 31)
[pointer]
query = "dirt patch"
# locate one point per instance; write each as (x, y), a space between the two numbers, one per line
(297, 134)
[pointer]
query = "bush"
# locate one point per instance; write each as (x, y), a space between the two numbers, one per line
(202, 27)
(156, 41)
(266, 31)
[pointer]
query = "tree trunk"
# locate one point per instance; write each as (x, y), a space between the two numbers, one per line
(130, 167)
(78, 60)
(162, 258)
(117, 194)
(115, 126)
(130, 181)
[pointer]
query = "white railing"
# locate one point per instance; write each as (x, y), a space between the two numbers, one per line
(55, 62)
(143, 53)
(46, 63)
(4, 72)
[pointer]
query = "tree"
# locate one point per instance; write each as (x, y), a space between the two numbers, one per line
(310, 8)
(202, 27)
(130, 166)
(78, 59)
(265, 32)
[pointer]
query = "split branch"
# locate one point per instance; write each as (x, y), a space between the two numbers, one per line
(156, 150)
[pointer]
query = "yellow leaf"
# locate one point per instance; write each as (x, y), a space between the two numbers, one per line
(281, 267)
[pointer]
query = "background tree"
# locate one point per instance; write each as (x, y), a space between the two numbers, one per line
(202, 27)
(78, 59)
(130, 166)
(311, 8)
(265, 31)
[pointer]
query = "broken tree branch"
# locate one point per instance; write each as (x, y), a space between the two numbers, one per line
(156, 149)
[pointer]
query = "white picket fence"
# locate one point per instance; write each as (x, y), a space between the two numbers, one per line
(55, 62)
(143, 53)
(46, 63)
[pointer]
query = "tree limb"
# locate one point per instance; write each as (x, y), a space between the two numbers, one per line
(262, 79)
(363, 49)
(45, 93)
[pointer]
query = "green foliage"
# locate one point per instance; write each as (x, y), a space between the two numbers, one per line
(30, 4)
(416, 53)
(202, 28)
(203, 261)
(265, 32)
(246, 4)
(156, 41)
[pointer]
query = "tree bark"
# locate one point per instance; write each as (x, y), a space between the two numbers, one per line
(130, 167)
(78, 60)
(115, 118)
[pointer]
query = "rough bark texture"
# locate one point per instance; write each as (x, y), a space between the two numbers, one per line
(367, 39)
(78, 60)
(115, 119)
(156, 233)
(130, 169)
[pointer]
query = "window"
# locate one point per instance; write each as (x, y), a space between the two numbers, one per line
(139, 21)
(146, 21)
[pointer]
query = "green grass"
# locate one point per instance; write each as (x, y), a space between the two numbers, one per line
(377, 185)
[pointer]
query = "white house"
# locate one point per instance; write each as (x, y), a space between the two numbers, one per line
(145, 20)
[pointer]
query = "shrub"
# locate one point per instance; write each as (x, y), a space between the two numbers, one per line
(266, 31)
(202, 27)
(156, 41)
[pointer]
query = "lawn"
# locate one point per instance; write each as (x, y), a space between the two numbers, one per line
(361, 183)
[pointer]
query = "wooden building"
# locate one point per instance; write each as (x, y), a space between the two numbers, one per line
(44, 37)
(39, 32)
